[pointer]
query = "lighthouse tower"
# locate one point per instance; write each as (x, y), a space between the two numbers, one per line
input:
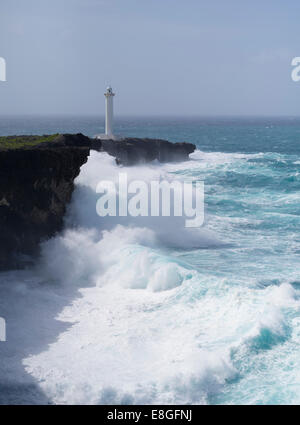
(109, 111)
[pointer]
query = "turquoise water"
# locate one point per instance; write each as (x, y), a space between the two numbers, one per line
(216, 324)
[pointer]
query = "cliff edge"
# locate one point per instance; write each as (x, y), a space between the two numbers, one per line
(37, 180)
(35, 188)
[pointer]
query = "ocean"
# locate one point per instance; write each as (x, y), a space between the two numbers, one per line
(133, 312)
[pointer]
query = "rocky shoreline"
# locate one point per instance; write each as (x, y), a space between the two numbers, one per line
(128, 151)
(37, 180)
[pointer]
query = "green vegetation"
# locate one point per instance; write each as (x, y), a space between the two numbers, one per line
(17, 142)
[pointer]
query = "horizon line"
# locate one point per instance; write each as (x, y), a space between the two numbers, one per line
(132, 116)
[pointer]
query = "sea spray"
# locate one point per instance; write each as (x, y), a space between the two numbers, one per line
(154, 313)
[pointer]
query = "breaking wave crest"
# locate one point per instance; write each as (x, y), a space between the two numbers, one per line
(148, 311)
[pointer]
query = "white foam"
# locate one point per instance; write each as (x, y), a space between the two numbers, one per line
(111, 316)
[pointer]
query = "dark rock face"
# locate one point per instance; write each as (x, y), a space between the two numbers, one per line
(36, 184)
(68, 140)
(131, 151)
(35, 187)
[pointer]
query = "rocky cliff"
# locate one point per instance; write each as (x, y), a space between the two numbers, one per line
(36, 182)
(130, 151)
(35, 187)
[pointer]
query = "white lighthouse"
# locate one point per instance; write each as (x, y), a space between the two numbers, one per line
(109, 111)
(109, 117)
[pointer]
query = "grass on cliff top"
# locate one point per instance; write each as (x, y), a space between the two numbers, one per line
(17, 142)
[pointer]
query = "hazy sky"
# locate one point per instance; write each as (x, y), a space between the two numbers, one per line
(170, 57)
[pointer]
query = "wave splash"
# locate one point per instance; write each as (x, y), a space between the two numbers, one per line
(147, 321)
